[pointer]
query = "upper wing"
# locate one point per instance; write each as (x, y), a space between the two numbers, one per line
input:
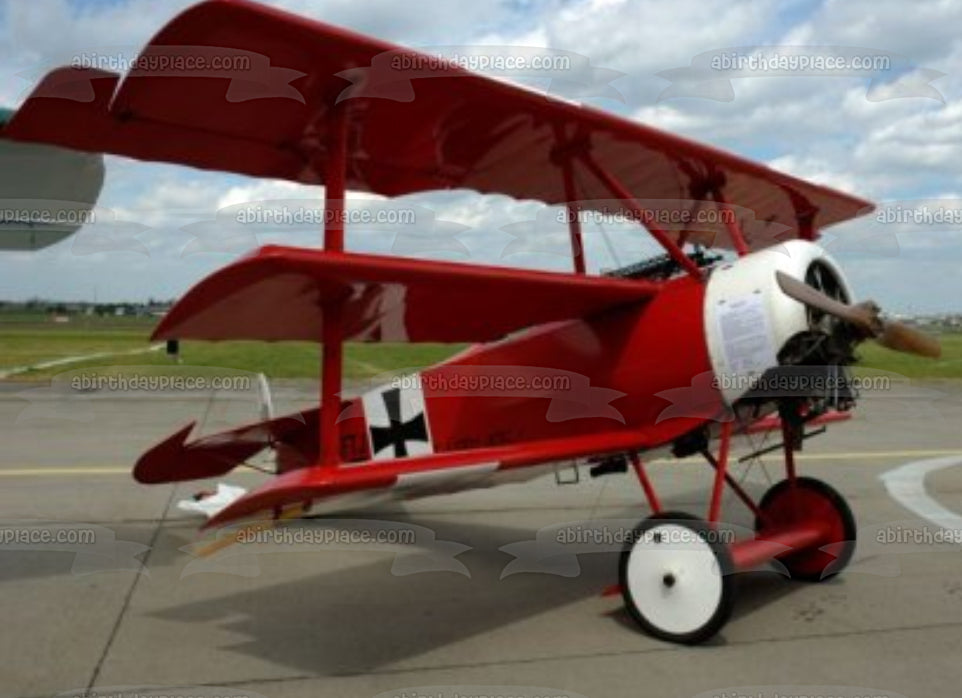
(455, 129)
(280, 293)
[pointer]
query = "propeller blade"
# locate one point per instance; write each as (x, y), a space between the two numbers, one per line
(863, 316)
(900, 337)
(866, 316)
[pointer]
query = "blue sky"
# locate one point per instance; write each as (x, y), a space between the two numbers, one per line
(892, 141)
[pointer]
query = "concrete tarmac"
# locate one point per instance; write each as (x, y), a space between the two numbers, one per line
(134, 608)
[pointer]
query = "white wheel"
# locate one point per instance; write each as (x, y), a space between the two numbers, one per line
(676, 578)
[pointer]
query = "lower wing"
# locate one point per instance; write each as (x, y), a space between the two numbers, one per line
(306, 486)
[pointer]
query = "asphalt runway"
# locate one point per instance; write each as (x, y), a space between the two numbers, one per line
(136, 608)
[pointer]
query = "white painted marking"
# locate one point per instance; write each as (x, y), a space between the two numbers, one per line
(906, 485)
(215, 503)
(75, 359)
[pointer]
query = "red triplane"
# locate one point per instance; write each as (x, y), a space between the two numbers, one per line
(681, 347)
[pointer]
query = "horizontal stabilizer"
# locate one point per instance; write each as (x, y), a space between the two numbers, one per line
(176, 460)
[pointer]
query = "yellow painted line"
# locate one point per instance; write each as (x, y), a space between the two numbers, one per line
(879, 454)
(862, 455)
(30, 471)
(27, 471)
(294, 512)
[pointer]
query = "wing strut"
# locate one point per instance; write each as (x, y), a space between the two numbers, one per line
(571, 203)
(332, 331)
(618, 189)
(574, 218)
(734, 230)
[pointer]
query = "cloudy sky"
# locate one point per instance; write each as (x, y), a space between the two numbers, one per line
(890, 135)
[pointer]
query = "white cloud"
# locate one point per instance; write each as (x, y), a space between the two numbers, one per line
(824, 128)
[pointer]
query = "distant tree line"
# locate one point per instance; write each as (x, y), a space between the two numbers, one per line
(43, 306)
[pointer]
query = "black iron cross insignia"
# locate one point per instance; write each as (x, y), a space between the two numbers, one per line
(398, 433)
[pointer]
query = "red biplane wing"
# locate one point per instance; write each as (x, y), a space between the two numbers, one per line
(452, 130)
(386, 299)
(309, 485)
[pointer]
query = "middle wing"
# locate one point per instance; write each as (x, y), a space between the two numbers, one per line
(281, 293)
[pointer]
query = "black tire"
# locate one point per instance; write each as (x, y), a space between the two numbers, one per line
(726, 596)
(820, 564)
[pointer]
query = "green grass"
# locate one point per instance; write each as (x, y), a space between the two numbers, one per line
(949, 366)
(32, 339)
(26, 346)
(279, 359)
(23, 344)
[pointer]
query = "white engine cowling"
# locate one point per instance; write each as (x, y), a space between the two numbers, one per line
(748, 319)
